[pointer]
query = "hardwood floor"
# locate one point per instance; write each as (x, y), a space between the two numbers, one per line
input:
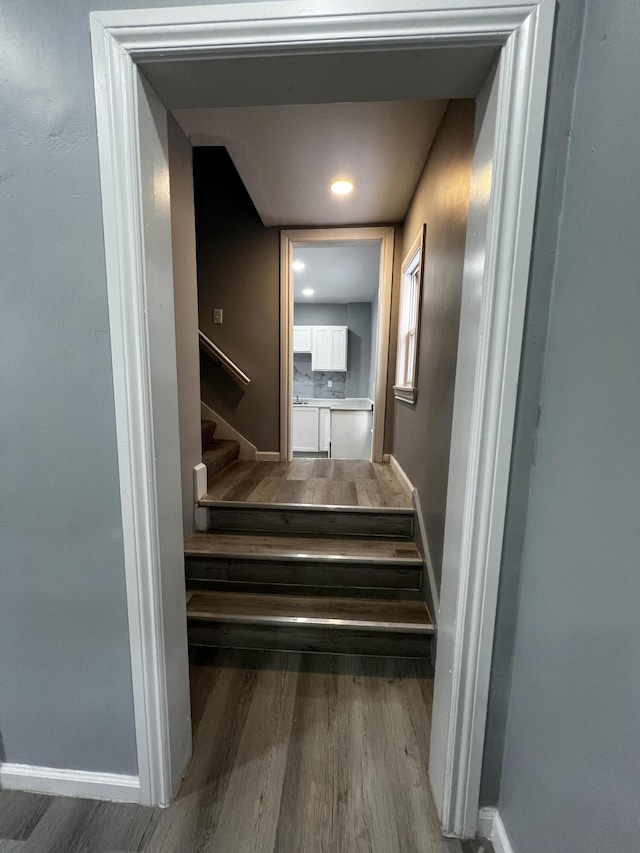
(292, 754)
(311, 481)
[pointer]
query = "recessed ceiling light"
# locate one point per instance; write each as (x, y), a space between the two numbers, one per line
(308, 291)
(341, 187)
(298, 266)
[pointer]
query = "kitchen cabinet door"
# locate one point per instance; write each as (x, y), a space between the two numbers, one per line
(305, 428)
(329, 348)
(302, 338)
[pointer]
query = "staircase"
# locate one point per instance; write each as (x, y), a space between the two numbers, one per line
(307, 578)
(217, 453)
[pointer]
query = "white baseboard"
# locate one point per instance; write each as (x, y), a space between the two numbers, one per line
(70, 783)
(398, 470)
(490, 826)
(426, 554)
(267, 455)
(386, 457)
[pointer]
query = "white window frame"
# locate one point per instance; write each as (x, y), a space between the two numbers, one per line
(408, 347)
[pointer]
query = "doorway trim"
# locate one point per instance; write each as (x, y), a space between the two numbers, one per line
(385, 235)
(137, 230)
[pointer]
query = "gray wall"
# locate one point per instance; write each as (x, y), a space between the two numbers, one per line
(65, 677)
(422, 432)
(186, 312)
(570, 778)
(357, 316)
(319, 314)
(238, 271)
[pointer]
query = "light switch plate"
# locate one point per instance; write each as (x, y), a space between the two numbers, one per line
(217, 316)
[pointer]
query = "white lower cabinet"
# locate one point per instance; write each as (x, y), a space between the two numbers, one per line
(351, 433)
(305, 423)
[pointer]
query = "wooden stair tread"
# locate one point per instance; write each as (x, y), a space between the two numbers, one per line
(218, 446)
(256, 546)
(253, 608)
(208, 501)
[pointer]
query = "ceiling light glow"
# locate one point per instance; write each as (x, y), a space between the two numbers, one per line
(297, 266)
(341, 187)
(308, 291)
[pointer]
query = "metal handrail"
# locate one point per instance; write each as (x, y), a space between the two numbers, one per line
(223, 359)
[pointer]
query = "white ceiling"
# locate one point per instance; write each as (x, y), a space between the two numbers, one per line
(337, 273)
(288, 155)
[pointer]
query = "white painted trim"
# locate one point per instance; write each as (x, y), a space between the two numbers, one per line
(522, 30)
(70, 783)
(411, 490)
(428, 561)
(286, 347)
(494, 295)
(268, 456)
(386, 458)
(386, 236)
(399, 471)
(199, 481)
(226, 431)
(490, 826)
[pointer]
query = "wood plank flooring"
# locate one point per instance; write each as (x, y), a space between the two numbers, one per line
(292, 754)
(311, 481)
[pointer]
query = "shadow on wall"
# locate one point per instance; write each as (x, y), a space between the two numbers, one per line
(354, 349)
(226, 389)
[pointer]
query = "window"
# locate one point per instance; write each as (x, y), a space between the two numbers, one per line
(409, 321)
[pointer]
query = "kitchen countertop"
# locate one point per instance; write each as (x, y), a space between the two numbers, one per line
(351, 404)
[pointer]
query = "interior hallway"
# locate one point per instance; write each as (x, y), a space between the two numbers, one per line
(292, 753)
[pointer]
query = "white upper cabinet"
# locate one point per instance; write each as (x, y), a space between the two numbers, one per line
(329, 348)
(302, 338)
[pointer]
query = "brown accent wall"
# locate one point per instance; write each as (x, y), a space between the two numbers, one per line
(422, 432)
(238, 270)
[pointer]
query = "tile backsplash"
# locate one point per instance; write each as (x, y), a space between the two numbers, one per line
(308, 383)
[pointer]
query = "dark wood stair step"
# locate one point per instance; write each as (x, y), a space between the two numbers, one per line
(220, 453)
(239, 561)
(314, 549)
(392, 627)
(301, 519)
(377, 615)
(208, 432)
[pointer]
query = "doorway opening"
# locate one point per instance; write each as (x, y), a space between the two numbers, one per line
(149, 61)
(335, 314)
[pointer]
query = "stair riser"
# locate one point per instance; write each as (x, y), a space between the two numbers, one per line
(309, 639)
(301, 573)
(308, 521)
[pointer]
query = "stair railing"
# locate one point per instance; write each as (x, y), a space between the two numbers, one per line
(214, 352)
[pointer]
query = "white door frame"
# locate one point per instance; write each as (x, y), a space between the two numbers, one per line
(385, 236)
(135, 227)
